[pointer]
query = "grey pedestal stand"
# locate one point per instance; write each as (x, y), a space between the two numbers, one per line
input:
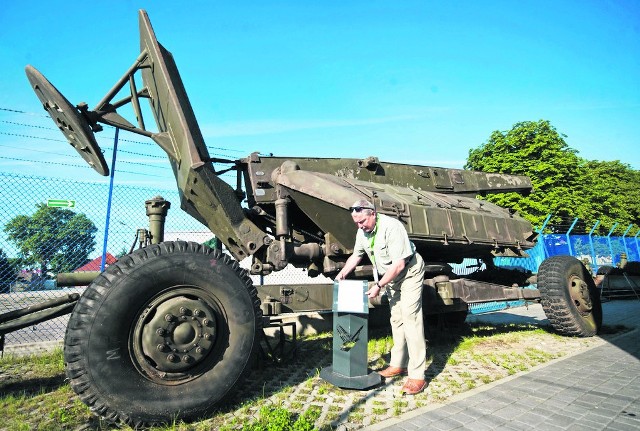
(350, 339)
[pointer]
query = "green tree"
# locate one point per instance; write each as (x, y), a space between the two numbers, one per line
(54, 239)
(613, 189)
(565, 185)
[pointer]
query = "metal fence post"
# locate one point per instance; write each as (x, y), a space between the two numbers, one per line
(593, 250)
(624, 240)
(540, 230)
(106, 224)
(613, 259)
(567, 235)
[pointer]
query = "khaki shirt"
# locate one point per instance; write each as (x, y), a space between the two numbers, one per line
(390, 242)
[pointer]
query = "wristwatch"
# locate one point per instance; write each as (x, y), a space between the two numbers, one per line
(378, 284)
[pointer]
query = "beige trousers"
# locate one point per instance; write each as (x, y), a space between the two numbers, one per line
(407, 327)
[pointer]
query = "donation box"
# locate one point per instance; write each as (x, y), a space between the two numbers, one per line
(350, 337)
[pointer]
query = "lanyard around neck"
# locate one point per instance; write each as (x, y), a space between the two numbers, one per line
(372, 242)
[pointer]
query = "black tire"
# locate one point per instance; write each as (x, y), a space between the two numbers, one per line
(604, 270)
(165, 333)
(632, 268)
(569, 297)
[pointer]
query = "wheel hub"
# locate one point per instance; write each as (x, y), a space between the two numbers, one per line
(579, 290)
(179, 335)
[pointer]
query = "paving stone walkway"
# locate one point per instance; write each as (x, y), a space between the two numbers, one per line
(598, 389)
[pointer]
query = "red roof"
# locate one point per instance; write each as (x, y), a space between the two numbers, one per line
(94, 265)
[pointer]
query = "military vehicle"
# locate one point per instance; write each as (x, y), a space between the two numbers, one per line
(169, 330)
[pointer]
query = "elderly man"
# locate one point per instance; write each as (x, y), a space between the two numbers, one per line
(401, 272)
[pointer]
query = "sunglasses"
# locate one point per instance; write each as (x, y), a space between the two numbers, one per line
(358, 209)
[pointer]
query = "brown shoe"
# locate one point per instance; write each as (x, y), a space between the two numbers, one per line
(392, 371)
(413, 386)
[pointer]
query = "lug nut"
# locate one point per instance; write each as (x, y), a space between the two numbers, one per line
(186, 359)
(183, 310)
(171, 357)
(161, 332)
(162, 347)
(169, 317)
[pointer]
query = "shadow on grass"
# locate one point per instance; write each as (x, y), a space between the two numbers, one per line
(19, 387)
(22, 392)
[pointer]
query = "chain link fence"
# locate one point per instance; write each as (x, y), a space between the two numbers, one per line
(48, 226)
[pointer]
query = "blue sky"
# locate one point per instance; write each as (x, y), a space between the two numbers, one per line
(407, 81)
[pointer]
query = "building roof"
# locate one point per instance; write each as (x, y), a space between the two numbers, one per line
(94, 265)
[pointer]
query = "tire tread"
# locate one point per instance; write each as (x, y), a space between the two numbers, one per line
(80, 320)
(555, 299)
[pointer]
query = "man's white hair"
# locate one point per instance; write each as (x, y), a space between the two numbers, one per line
(363, 205)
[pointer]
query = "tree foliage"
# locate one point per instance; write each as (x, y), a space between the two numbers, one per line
(565, 185)
(53, 239)
(613, 189)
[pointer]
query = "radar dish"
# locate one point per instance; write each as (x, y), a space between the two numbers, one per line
(69, 120)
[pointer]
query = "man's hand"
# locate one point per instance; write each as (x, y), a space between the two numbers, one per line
(349, 265)
(374, 290)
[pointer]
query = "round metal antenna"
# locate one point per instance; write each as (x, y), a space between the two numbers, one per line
(69, 120)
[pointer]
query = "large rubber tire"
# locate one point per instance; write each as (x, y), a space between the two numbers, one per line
(569, 296)
(165, 333)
